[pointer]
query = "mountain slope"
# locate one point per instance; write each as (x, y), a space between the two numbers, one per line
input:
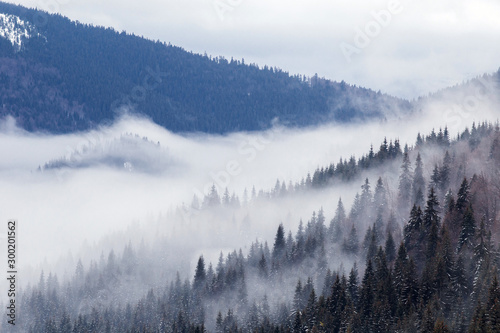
(363, 268)
(69, 76)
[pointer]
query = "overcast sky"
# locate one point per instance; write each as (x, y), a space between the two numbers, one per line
(421, 46)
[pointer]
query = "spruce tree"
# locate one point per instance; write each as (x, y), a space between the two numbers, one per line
(366, 297)
(390, 248)
(405, 182)
(351, 244)
(337, 224)
(463, 196)
(431, 214)
(444, 173)
(279, 243)
(366, 201)
(468, 229)
(418, 182)
(413, 229)
(353, 285)
(379, 198)
(200, 274)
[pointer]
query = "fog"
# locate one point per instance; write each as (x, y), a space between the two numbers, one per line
(84, 194)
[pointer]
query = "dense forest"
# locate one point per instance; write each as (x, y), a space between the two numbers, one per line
(410, 242)
(70, 76)
(422, 260)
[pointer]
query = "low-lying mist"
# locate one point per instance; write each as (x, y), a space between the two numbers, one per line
(82, 195)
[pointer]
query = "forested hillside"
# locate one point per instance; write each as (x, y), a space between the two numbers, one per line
(420, 257)
(70, 76)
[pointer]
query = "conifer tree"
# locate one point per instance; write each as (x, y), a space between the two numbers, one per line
(337, 224)
(367, 296)
(444, 173)
(263, 272)
(379, 198)
(405, 183)
(418, 182)
(435, 178)
(298, 299)
(390, 248)
(353, 285)
(200, 274)
(366, 201)
(468, 229)
(279, 243)
(463, 196)
(413, 229)
(351, 244)
(431, 215)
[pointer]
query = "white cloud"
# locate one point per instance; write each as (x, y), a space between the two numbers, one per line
(58, 209)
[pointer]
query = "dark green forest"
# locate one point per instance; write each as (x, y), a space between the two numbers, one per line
(71, 76)
(424, 261)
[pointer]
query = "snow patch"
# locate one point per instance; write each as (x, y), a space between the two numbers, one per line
(16, 30)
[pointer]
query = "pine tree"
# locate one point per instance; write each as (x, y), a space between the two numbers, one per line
(298, 299)
(446, 137)
(337, 225)
(353, 285)
(336, 304)
(463, 196)
(459, 279)
(419, 141)
(390, 248)
(351, 244)
(219, 328)
(444, 173)
(393, 226)
(383, 151)
(297, 322)
(413, 229)
(431, 224)
(379, 198)
(378, 227)
(263, 272)
(468, 229)
(366, 202)
(483, 248)
(367, 295)
(200, 274)
(356, 209)
(226, 199)
(405, 182)
(418, 182)
(372, 246)
(431, 215)
(279, 243)
(212, 199)
(435, 178)
(329, 279)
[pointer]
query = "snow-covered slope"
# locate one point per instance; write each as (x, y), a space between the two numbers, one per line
(16, 30)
